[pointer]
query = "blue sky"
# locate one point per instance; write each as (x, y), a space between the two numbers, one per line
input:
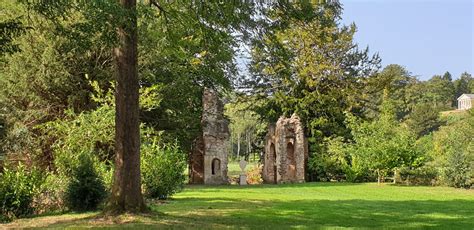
(428, 37)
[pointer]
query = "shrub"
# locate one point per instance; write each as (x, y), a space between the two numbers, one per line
(51, 195)
(337, 164)
(87, 133)
(383, 144)
(459, 171)
(17, 189)
(162, 170)
(77, 135)
(254, 174)
(329, 164)
(453, 152)
(425, 175)
(86, 189)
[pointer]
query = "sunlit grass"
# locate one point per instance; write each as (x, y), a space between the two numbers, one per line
(306, 206)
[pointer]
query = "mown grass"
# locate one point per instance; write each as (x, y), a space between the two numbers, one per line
(305, 206)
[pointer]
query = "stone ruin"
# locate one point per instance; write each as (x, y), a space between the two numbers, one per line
(208, 158)
(286, 152)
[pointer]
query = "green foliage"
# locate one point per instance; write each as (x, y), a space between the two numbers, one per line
(181, 50)
(410, 95)
(320, 92)
(52, 193)
(454, 152)
(46, 78)
(458, 172)
(76, 136)
(339, 163)
(9, 29)
(334, 164)
(86, 189)
(305, 61)
(11, 26)
(18, 187)
(91, 133)
(46, 86)
(86, 133)
(247, 130)
(424, 175)
(440, 90)
(3, 133)
(424, 119)
(464, 84)
(394, 82)
(383, 144)
(162, 169)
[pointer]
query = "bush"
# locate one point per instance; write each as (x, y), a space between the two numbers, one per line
(77, 136)
(162, 170)
(17, 190)
(336, 164)
(327, 167)
(254, 175)
(383, 144)
(87, 133)
(453, 152)
(86, 189)
(459, 171)
(329, 164)
(51, 195)
(425, 175)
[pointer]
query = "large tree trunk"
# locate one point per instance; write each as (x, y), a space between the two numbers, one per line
(126, 191)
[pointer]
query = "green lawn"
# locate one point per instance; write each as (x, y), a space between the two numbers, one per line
(307, 206)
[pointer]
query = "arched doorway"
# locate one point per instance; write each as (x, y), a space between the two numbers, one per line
(216, 166)
(290, 151)
(274, 162)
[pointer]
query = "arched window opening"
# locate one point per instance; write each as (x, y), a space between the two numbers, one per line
(215, 166)
(290, 150)
(273, 153)
(273, 159)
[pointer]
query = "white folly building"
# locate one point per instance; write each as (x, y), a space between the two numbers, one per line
(466, 101)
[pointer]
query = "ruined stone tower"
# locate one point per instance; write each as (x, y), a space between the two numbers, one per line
(208, 159)
(286, 152)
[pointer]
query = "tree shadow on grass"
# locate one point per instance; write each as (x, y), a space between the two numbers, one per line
(204, 213)
(51, 219)
(454, 214)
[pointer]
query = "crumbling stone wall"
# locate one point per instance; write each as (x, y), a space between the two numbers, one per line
(196, 162)
(208, 159)
(286, 152)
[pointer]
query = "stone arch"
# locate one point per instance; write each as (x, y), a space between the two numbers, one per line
(291, 160)
(273, 157)
(286, 140)
(216, 166)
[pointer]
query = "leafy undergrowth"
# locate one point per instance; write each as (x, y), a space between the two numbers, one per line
(307, 206)
(234, 168)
